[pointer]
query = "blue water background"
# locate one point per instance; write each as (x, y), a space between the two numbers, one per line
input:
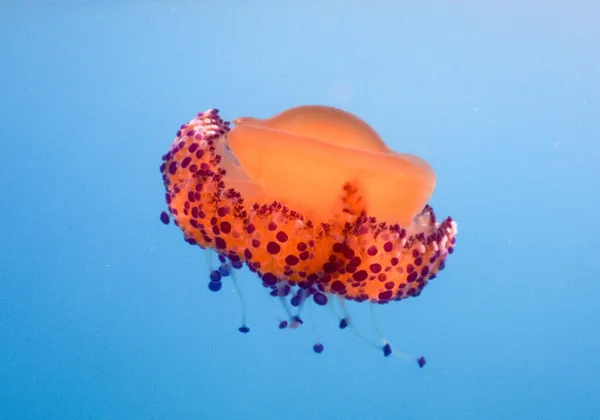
(105, 312)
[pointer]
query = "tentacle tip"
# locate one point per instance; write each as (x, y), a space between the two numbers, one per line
(387, 349)
(164, 218)
(283, 325)
(214, 286)
(244, 329)
(296, 321)
(421, 361)
(343, 323)
(318, 348)
(320, 299)
(215, 276)
(224, 270)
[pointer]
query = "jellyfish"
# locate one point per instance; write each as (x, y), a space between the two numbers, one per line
(313, 202)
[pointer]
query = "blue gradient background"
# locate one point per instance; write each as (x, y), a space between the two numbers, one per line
(105, 313)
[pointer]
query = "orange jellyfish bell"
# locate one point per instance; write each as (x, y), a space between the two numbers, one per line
(312, 201)
(304, 157)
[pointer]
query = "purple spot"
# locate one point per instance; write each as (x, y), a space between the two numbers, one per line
(273, 248)
(375, 268)
(386, 295)
(412, 277)
(215, 276)
(220, 243)
(337, 247)
(348, 253)
(225, 227)
(387, 350)
(320, 298)
(269, 279)
(291, 260)
(164, 217)
(215, 286)
(338, 286)
(186, 161)
(330, 267)
(360, 275)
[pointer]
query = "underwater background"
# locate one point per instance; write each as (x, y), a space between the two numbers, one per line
(105, 313)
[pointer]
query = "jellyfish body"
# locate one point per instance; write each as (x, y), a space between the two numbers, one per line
(312, 201)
